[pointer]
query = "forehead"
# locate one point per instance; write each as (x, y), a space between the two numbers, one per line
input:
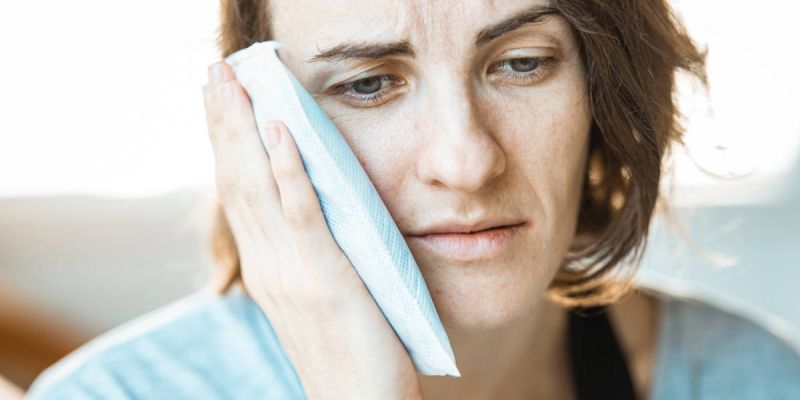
(432, 26)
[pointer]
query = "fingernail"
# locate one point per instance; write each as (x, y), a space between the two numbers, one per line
(227, 94)
(273, 135)
(215, 73)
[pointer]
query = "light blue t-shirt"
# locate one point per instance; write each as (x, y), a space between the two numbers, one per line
(208, 346)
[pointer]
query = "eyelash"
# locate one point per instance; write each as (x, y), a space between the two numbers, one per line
(364, 100)
(542, 67)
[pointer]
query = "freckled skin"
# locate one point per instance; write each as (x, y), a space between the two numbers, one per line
(455, 143)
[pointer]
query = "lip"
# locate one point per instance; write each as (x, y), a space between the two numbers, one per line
(467, 247)
(457, 227)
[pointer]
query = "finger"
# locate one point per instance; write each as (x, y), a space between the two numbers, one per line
(218, 73)
(226, 178)
(299, 201)
(241, 148)
(239, 232)
(252, 266)
(215, 122)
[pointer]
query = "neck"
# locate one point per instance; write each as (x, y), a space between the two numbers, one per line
(526, 353)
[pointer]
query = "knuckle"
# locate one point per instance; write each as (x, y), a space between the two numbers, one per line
(251, 193)
(215, 118)
(297, 215)
(232, 132)
(209, 99)
(283, 171)
(215, 124)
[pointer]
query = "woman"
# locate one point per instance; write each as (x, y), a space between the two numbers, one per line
(539, 126)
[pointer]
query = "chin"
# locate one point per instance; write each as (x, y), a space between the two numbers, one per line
(482, 297)
(460, 317)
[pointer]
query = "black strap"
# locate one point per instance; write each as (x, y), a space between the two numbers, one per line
(599, 369)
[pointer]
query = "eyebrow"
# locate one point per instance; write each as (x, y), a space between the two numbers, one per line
(374, 51)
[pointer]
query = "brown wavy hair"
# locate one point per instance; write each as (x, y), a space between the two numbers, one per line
(632, 51)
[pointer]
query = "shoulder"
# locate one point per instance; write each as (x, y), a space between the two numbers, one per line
(202, 346)
(713, 353)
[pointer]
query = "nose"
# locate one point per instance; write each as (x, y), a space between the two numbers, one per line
(461, 153)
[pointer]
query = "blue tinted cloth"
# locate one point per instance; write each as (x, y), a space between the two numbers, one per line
(204, 346)
(705, 353)
(222, 347)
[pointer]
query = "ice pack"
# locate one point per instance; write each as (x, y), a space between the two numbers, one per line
(357, 217)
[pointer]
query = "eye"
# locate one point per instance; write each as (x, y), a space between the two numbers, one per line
(372, 90)
(368, 86)
(525, 70)
(367, 91)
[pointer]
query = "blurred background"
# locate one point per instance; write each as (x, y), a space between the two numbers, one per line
(106, 172)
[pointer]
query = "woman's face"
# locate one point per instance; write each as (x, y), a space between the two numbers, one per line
(456, 118)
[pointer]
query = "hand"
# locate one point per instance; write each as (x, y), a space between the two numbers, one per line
(330, 327)
(8, 390)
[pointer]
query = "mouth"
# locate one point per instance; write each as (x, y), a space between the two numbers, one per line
(471, 246)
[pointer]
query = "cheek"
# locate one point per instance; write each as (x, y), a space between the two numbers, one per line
(550, 140)
(383, 144)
